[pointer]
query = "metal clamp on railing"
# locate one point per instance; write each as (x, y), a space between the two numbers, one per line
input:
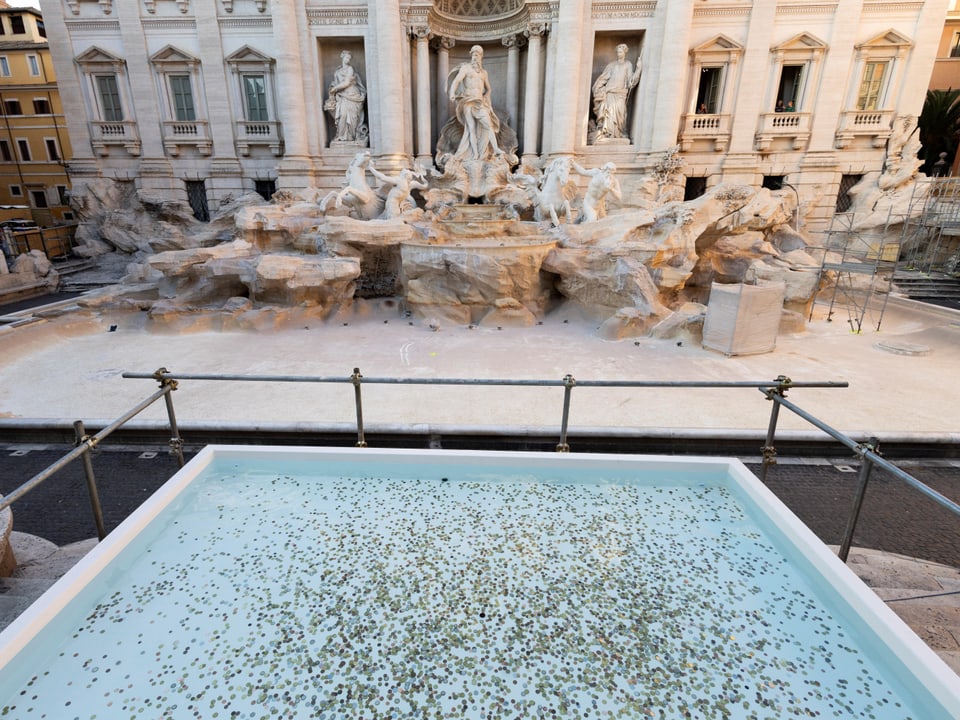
(568, 383)
(768, 451)
(356, 379)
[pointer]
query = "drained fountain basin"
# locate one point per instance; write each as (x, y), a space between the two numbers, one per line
(321, 583)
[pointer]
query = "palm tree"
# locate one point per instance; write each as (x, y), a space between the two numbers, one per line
(939, 125)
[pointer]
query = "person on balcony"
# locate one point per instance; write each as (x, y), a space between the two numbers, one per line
(779, 107)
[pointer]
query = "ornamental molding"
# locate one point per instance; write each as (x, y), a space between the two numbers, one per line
(161, 24)
(723, 11)
(619, 10)
(246, 22)
(811, 9)
(92, 25)
(893, 7)
(337, 16)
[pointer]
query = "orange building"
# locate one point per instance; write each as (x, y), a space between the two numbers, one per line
(34, 145)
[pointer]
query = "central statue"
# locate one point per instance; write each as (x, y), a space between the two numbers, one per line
(470, 91)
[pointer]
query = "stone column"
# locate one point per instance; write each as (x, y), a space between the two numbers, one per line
(531, 104)
(422, 36)
(568, 75)
(388, 113)
(294, 170)
(658, 103)
(750, 101)
(156, 172)
(444, 45)
(513, 78)
(225, 170)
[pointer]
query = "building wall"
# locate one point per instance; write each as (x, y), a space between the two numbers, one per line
(946, 69)
(541, 70)
(33, 139)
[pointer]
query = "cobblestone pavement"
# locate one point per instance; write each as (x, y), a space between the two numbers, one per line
(895, 518)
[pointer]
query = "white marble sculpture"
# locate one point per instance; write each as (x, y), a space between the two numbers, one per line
(470, 92)
(361, 201)
(345, 103)
(610, 93)
(602, 183)
(552, 193)
(398, 200)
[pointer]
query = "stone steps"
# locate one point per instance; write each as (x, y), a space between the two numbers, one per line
(40, 564)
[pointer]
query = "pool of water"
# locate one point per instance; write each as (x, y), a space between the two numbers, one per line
(266, 583)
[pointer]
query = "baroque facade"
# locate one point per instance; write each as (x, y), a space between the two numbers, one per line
(201, 100)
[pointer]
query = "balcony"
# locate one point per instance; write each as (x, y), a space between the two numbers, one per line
(257, 132)
(783, 131)
(872, 125)
(705, 129)
(196, 133)
(105, 134)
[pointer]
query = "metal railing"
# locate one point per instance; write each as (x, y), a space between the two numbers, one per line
(86, 444)
(774, 390)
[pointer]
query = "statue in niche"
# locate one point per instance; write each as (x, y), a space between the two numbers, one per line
(470, 92)
(345, 103)
(602, 183)
(610, 93)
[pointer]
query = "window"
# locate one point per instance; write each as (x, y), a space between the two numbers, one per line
(23, 147)
(265, 188)
(791, 82)
(955, 47)
(68, 216)
(773, 182)
(255, 98)
(709, 92)
(63, 194)
(2, 31)
(197, 196)
(182, 96)
(12, 107)
(714, 66)
(53, 152)
(871, 85)
(4, 66)
(5, 153)
(844, 199)
(34, 65)
(795, 73)
(41, 106)
(41, 29)
(110, 108)
(16, 25)
(16, 191)
(694, 187)
(38, 198)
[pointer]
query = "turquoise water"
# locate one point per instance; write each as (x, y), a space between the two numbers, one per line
(282, 595)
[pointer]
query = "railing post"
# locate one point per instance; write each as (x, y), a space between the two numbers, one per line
(356, 378)
(866, 465)
(83, 439)
(175, 442)
(568, 383)
(768, 450)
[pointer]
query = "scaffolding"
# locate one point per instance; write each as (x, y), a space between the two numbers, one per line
(931, 230)
(861, 265)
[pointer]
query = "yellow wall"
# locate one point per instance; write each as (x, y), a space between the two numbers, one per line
(43, 178)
